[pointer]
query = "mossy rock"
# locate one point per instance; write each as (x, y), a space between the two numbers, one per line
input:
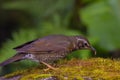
(75, 69)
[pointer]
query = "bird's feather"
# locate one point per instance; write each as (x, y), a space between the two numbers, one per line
(47, 44)
(17, 57)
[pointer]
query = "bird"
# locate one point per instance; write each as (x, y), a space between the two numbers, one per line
(48, 49)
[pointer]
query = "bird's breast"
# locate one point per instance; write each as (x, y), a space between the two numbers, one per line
(50, 57)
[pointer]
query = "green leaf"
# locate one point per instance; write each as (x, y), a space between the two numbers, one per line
(102, 19)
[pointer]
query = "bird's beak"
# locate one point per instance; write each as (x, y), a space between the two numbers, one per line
(93, 50)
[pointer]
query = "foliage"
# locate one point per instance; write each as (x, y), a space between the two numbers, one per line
(19, 38)
(104, 24)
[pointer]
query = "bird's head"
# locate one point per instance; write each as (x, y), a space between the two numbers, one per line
(83, 43)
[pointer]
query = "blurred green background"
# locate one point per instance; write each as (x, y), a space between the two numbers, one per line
(26, 20)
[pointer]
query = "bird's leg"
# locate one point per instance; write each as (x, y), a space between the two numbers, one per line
(49, 66)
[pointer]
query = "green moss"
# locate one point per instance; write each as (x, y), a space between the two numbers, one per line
(95, 68)
(35, 76)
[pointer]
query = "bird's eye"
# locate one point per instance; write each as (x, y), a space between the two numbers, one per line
(86, 44)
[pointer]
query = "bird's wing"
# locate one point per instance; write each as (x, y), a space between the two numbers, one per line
(45, 45)
(49, 47)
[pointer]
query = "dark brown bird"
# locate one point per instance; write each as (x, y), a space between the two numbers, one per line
(49, 49)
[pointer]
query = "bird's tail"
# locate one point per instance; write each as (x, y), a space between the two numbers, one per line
(17, 57)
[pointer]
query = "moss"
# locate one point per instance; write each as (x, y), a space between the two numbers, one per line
(35, 76)
(15, 73)
(95, 68)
